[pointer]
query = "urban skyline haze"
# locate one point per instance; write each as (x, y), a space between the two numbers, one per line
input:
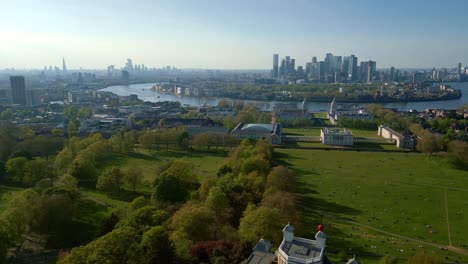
(230, 34)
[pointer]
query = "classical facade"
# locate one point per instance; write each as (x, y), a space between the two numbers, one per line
(406, 142)
(270, 132)
(292, 250)
(338, 137)
(338, 111)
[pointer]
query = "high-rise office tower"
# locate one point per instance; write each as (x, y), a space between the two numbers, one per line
(275, 66)
(129, 65)
(18, 90)
(328, 63)
(392, 74)
(370, 71)
(345, 67)
(352, 69)
(292, 66)
(64, 66)
(459, 68)
(282, 69)
(314, 59)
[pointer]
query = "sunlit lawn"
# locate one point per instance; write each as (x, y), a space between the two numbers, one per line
(402, 193)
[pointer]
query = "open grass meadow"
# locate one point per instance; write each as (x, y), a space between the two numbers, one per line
(382, 203)
(6, 193)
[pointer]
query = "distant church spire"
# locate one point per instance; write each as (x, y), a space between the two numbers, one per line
(64, 66)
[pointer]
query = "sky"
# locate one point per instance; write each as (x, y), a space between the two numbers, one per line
(230, 34)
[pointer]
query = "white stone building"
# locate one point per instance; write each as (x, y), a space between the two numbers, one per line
(402, 141)
(338, 111)
(292, 250)
(338, 137)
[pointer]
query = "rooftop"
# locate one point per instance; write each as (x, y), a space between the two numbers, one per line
(258, 127)
(301, 249)
(343, 131)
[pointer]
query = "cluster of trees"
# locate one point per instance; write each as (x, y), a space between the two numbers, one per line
(50, 217)
(247, 114)
(80, 157)
(164, 137)
(187, 220)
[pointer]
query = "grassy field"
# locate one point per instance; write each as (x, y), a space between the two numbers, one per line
(5, 196)
(363, 195)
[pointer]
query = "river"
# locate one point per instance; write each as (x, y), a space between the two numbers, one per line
(144, 92)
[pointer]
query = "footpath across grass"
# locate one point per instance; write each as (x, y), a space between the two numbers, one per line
(364, 194)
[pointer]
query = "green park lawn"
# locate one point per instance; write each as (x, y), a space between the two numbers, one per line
(364, 194)
(6, 193)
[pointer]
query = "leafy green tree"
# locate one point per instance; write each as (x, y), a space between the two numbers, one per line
(143, 218)
(262, 222)
(428, 143)
(280, 179)
(217, 200)
(134, 177)
(458, 154)
(111, 180)
(7, 114)
(156, 246)
(63, 159)
(118, 246)
(138, 203)
(85, 112)
(54, 215)
(16, 168)
(197, 221)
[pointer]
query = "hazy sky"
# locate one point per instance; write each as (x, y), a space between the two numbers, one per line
(231, 34)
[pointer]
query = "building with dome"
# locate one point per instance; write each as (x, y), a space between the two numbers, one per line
(269, 132)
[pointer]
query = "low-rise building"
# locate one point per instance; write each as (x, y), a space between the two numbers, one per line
(402, 141)
(338, 111)
(338, 137)
(270, 132)
(292, 250)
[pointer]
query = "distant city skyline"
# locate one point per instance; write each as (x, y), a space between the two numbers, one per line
(209, 34)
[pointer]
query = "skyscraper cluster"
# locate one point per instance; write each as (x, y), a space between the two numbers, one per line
(331, 69)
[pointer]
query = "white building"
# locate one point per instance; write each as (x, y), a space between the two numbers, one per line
(292, 250)
(406, 142)
(338, 111)
(339, 137)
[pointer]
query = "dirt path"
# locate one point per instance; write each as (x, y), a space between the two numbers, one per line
(448, 223)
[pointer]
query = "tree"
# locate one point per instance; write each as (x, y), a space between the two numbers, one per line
(85, 112)
(262, 222)
(143, 218)
(134, 177)
(36, 170)
(118, 246)
(458, 154)
(16, 168)
(7, 114)
(217, 200)
(63, 159)
(197, 221)
(54, 215)
(428, 143)
(156, 246)
(138, 203)
(280, 179)
(67, 182)
(72, 129)
(111, 180)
